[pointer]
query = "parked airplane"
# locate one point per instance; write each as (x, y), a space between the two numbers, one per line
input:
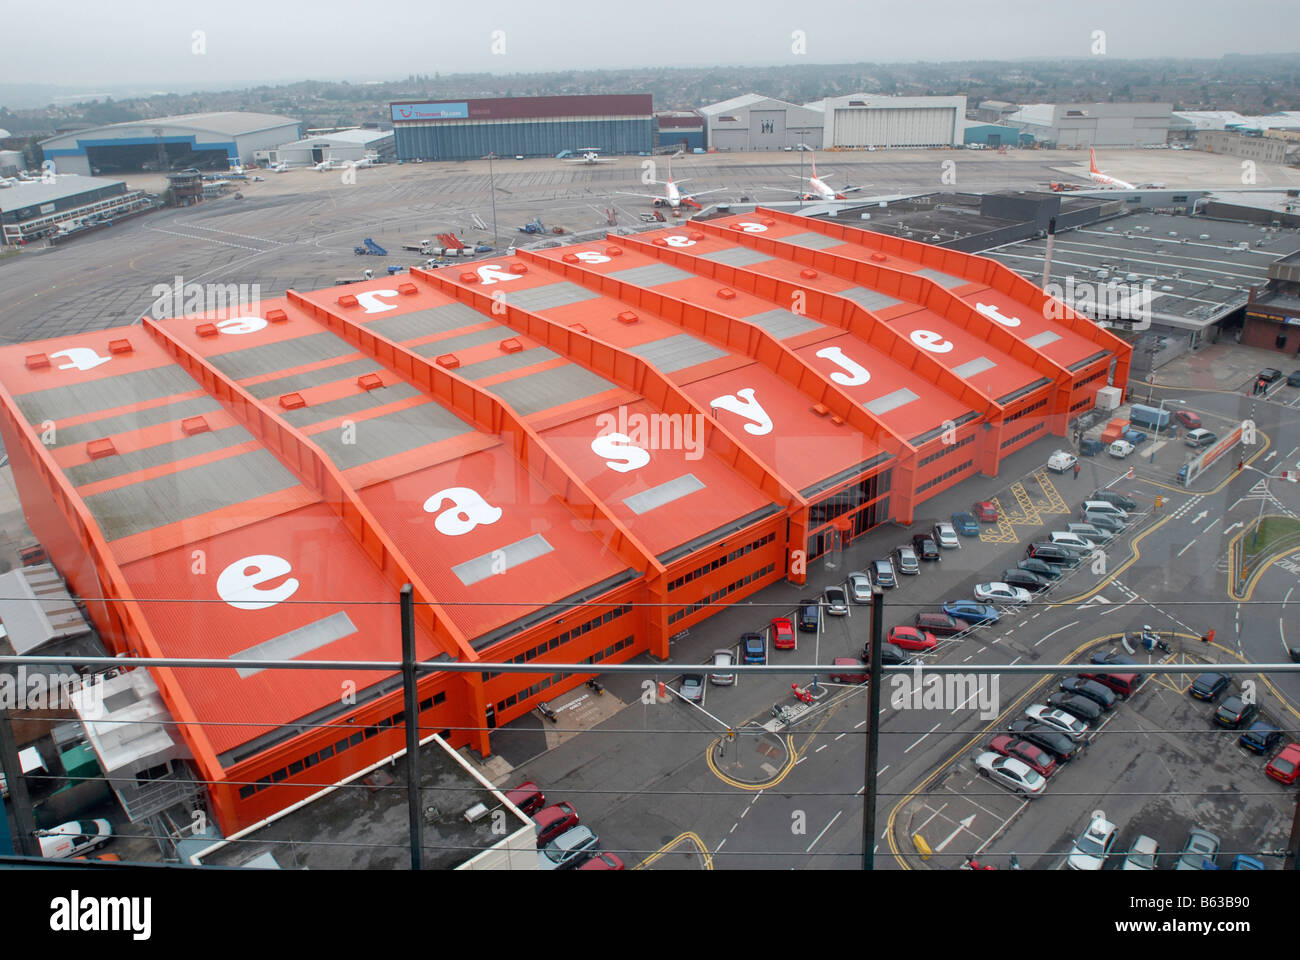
(820, 191)
(588, 155)
(280, 167)
(330, 164)
(1102, 178)
(673, 197)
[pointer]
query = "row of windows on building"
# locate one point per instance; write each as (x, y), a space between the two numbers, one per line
(947, 449)
(1095, 376)
(720, 593)
(1085, 402)
(850, 498)
(1020, 436)
(1025, 412)
(862, 520)
(720, 562)
(935, 481)
(563, 638)
(324, 753)
(554, 678)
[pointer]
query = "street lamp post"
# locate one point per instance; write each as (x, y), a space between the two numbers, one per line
(492, 188)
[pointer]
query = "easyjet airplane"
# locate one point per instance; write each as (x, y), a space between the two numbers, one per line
(1100, 177)
(672, 197)
(820, 191)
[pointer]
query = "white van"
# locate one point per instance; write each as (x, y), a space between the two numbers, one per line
(1074, 541)
(74, 838)
(1104, 508)
(1089, 532)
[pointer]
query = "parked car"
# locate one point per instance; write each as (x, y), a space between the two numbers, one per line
(1143, 854)
(1243, 862)
(985, 511)
(883, 571)
(945, 534)
(940, 624)
(1040, 568)
(1112, 525)
(1037, 758)
(1051, 553)
(753, 648)
(966, 524)
(1208, 686)
(859, 587)
(1270, 374)
(1201, 847)
(782, 633)
(692, 687)
(837, 601)
(1015, 577)
(1060, 461)
(1121, 683)
(1011, 773)
(1110, 658)
(1200, 438)
(603, 861)
(1188, 420)
(1285, 767)
(1090, 447)
(74, 838)
(1098, 693)
(568, 850)
(1294, 379)
(906, 562)
(720, 676)
(910, 638)
(1090, 533)
(1071, 541)
(925, 547)
(848, 670)
(1053, 741)
(1076, 706)
(1260, 737)
(972, 612)
(998, 592)
(1234, 713)
(528, 797)
(1066, 723)
(809, 615)
(1119, 449)
(554, 820)
(890, 655)
(1115, 498)
(1093, 845)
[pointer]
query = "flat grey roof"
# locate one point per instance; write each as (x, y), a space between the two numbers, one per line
(464, 341)
(973, 367)
(423, 323)
(677, 352)
(390, 434)
(663, 493)
(355, 403)
(313, 378)
(782, 323)
(506, 361)
(812, 240)
(652, 275)
(135, 420)
(891, 401)
(304, 639)
(281, 355)
(546, 297)
(550, 388)
(35, 192)
(737, 257)
(868, 299)
(945, 280)
(158, 455)
(105, 393)
(512, 555)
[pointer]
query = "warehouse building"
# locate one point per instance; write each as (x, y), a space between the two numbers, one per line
(30, 209)
(1250, 147)
(1095, 124)
(683, 130)
(208, 141)
(755, 122)
(1273, 313)
(571, 454)
(870, 120)
(341, 145)
(522, 126)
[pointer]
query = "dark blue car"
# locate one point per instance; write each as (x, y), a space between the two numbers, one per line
(753, 649)
(966, 524)
(972, 612)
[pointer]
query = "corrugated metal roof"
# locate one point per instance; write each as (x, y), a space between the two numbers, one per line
(32, 193)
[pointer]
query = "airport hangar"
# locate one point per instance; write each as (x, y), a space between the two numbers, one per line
(755, 122)
(522, 126)
(540, 445)
(207, 140)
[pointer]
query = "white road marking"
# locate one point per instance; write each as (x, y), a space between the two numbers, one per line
(1074, 623)
(860, 725)
(932, 729)
(1188, 547)
(841, 736)
(1201, 516)
(733, 828)
(823, 833)
(821, 748)
(961, 825)
(931, 817)
(719, 846)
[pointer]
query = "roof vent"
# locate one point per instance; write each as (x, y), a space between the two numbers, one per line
(276, 316)
(347, 300)
(192, 425)
(98, 449)
(469, 277)
(820, 409)
(448, 360)
(37, 361)
(120, 347)
(206, 330)
(518, 266)
(696, 235)
(614, 251)
(769, 222)
(407, 289)
(808, 273)
(628, 316)
(838, 421)
(510, 345)
(370, 381)
(726, 293)
(292, 401)
(659, 242)
(879, 257)
(570, 258)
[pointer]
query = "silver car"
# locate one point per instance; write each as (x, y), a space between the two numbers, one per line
(1201, 846)
(905, 560)
(945, 534)
(1016, 775)
(1066, 723)
(837, 601)
(567, 850)
(1143, 854)
(859, 587)
(721, 676)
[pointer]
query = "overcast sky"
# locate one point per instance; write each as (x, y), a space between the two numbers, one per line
(153, 43)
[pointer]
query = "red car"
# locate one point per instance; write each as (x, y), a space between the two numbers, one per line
(1038, 760)
(554, 820)
(603, 861)
(1285, 767)
(782, 633)
(985, 512)
(528, 797)
(910, 638)
(1188, 419)
(940, 624)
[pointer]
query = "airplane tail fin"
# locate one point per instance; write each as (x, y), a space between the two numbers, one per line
(1092, 161)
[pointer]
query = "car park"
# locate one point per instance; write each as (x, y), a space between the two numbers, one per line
(1143, 855)
(783, 633)
(1060, 746)
(859, 585)
(1076, 706)
(1066, 723)
(1115, 499)
(74, 838)
(883, 571)
(1234, 713)
(721, 676)
(1188, 421)
(906, 562)
(1202, 847)
(1285, 767)
(1119, 449)
(567, 850)
(528, 797)
(1060, 461)
(1037, 758)
(966, 524)
(837, 601)
(1260, 737)
(1093, 846)
(940, 624)
(1098, 693)
(985, 511)
(1025, 580)
(1040, 568)
(945, 534)
(554, 820)
(809, 615)
(1208, 686)
(1199, 438)
(1051, 553)
(925, 547)
(973, 613)
(692, 687)
(1011, 773)
(910, 638)
(753, 648)
(999, 592)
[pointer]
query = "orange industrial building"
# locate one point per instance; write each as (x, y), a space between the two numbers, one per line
(540, 444)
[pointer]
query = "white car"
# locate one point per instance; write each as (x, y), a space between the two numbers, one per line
(721, 676)
(1143, 854)
(859, 587)
(946, 535)
(1066, 723)
(1061, 461)
(1120, 449)
(74, 838)
(1093, 846)
(1014, 774)
(998, 592)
